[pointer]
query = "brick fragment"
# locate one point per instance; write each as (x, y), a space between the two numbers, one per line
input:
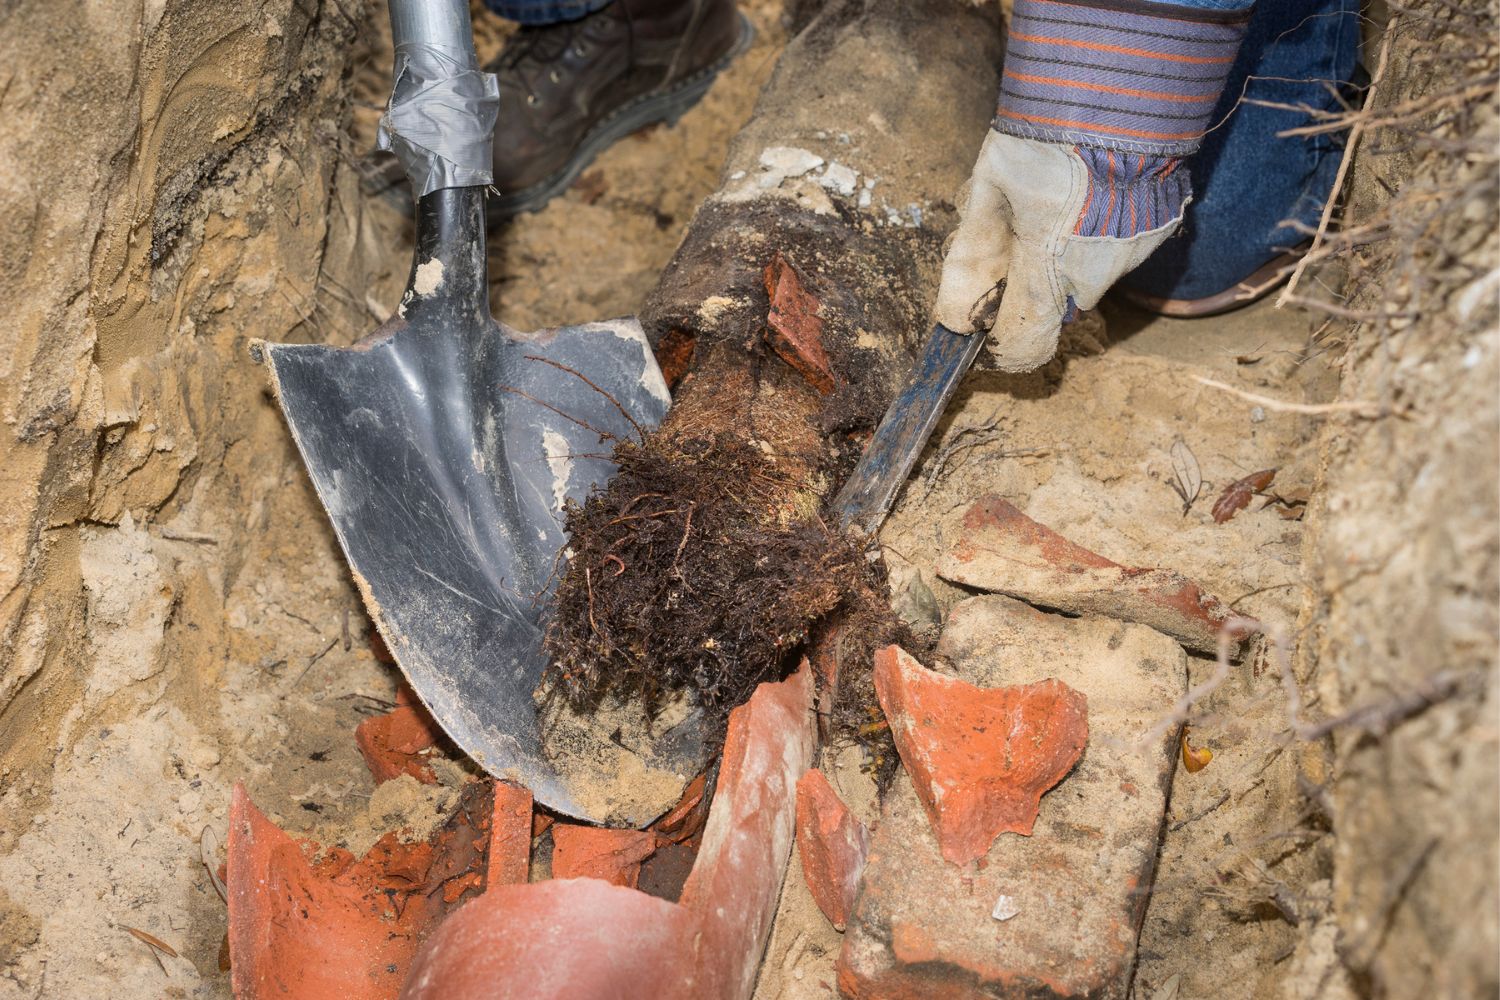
(1003, 551)
(980, 759)
(1076, 889)
(400, 741)
(510, 836)
(833, 844)
(614, 856)
(796, 329)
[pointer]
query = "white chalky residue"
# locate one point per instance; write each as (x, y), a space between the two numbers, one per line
(428, 278)
(560, 462)
(839, 178)
(779, 163)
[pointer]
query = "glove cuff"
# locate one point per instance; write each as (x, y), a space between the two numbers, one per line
(1127, 75)
(1130, 193)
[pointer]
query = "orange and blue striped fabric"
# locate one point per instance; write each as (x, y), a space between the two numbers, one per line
(1130, 193)
(1127, 75)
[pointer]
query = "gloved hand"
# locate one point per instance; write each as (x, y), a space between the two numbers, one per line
(1080, 178)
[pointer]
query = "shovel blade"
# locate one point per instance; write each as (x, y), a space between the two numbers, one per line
(444, 458)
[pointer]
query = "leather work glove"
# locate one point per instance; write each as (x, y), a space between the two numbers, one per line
(1080, 177)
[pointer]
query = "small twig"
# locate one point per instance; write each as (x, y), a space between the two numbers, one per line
(207, 850)
(155, 945)
(685, 532)
(1231, 628)
(197, 538)
(1195, 817)
(1356, 406)
(315, 658)
(1356, 132)
(588, 579)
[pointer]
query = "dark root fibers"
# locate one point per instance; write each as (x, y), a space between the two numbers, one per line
(682, 577)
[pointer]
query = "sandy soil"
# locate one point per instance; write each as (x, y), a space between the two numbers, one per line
(270, 695)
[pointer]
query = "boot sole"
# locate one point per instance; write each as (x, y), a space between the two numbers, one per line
(648, 109)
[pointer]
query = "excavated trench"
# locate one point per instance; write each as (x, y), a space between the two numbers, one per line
(177, 619)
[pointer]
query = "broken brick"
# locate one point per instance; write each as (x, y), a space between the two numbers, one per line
(614, 856)
(399, 741)
(1056, 914)
(509, 859)
(795, 326)
(833, 844)
(689, 814)
(1003, 551)
(980, 759)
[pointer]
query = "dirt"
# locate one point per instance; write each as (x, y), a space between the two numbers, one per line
(175, 616)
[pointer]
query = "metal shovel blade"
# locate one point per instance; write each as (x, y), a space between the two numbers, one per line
(444, 447)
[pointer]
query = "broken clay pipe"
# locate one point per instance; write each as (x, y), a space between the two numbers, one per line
(584, 937)
(1003, 551)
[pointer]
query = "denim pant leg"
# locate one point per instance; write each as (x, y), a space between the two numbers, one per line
(544, 11)
(1247, 181)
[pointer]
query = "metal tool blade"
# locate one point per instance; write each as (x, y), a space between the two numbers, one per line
(903, 432)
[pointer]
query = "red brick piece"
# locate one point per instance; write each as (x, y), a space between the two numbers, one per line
(510, 836)
(833, 845)
(980, 759)
(1003, 551)
(595, 852)
(398, 742)
(796, 327)
(1055, 914)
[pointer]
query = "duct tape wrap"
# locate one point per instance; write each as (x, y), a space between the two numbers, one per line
(441, 119)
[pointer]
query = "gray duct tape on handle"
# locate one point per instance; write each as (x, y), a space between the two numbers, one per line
(440, 121)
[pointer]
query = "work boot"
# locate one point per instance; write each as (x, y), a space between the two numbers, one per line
(568, 91)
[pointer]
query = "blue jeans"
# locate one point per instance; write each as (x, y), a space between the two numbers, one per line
(536, 12)
(1248, 181)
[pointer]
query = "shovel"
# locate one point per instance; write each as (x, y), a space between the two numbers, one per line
(444, 445)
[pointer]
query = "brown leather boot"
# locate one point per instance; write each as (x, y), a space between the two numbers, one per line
(568, 91)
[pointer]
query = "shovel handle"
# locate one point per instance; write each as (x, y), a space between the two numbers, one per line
(434, 22)
(439, 123)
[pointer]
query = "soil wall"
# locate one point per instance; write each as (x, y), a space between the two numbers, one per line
(1404, 555)
(168, 194)
(168, 184)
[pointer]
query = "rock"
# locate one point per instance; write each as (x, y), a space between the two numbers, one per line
(510, 836)
(917, 605)
(614, 856)
(1004, 551)
(833, 845)
(980, 759)
(1077, 887)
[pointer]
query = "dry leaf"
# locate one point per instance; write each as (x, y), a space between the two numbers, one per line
(1238, 493)
(1194, 758)
(1187, 477)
